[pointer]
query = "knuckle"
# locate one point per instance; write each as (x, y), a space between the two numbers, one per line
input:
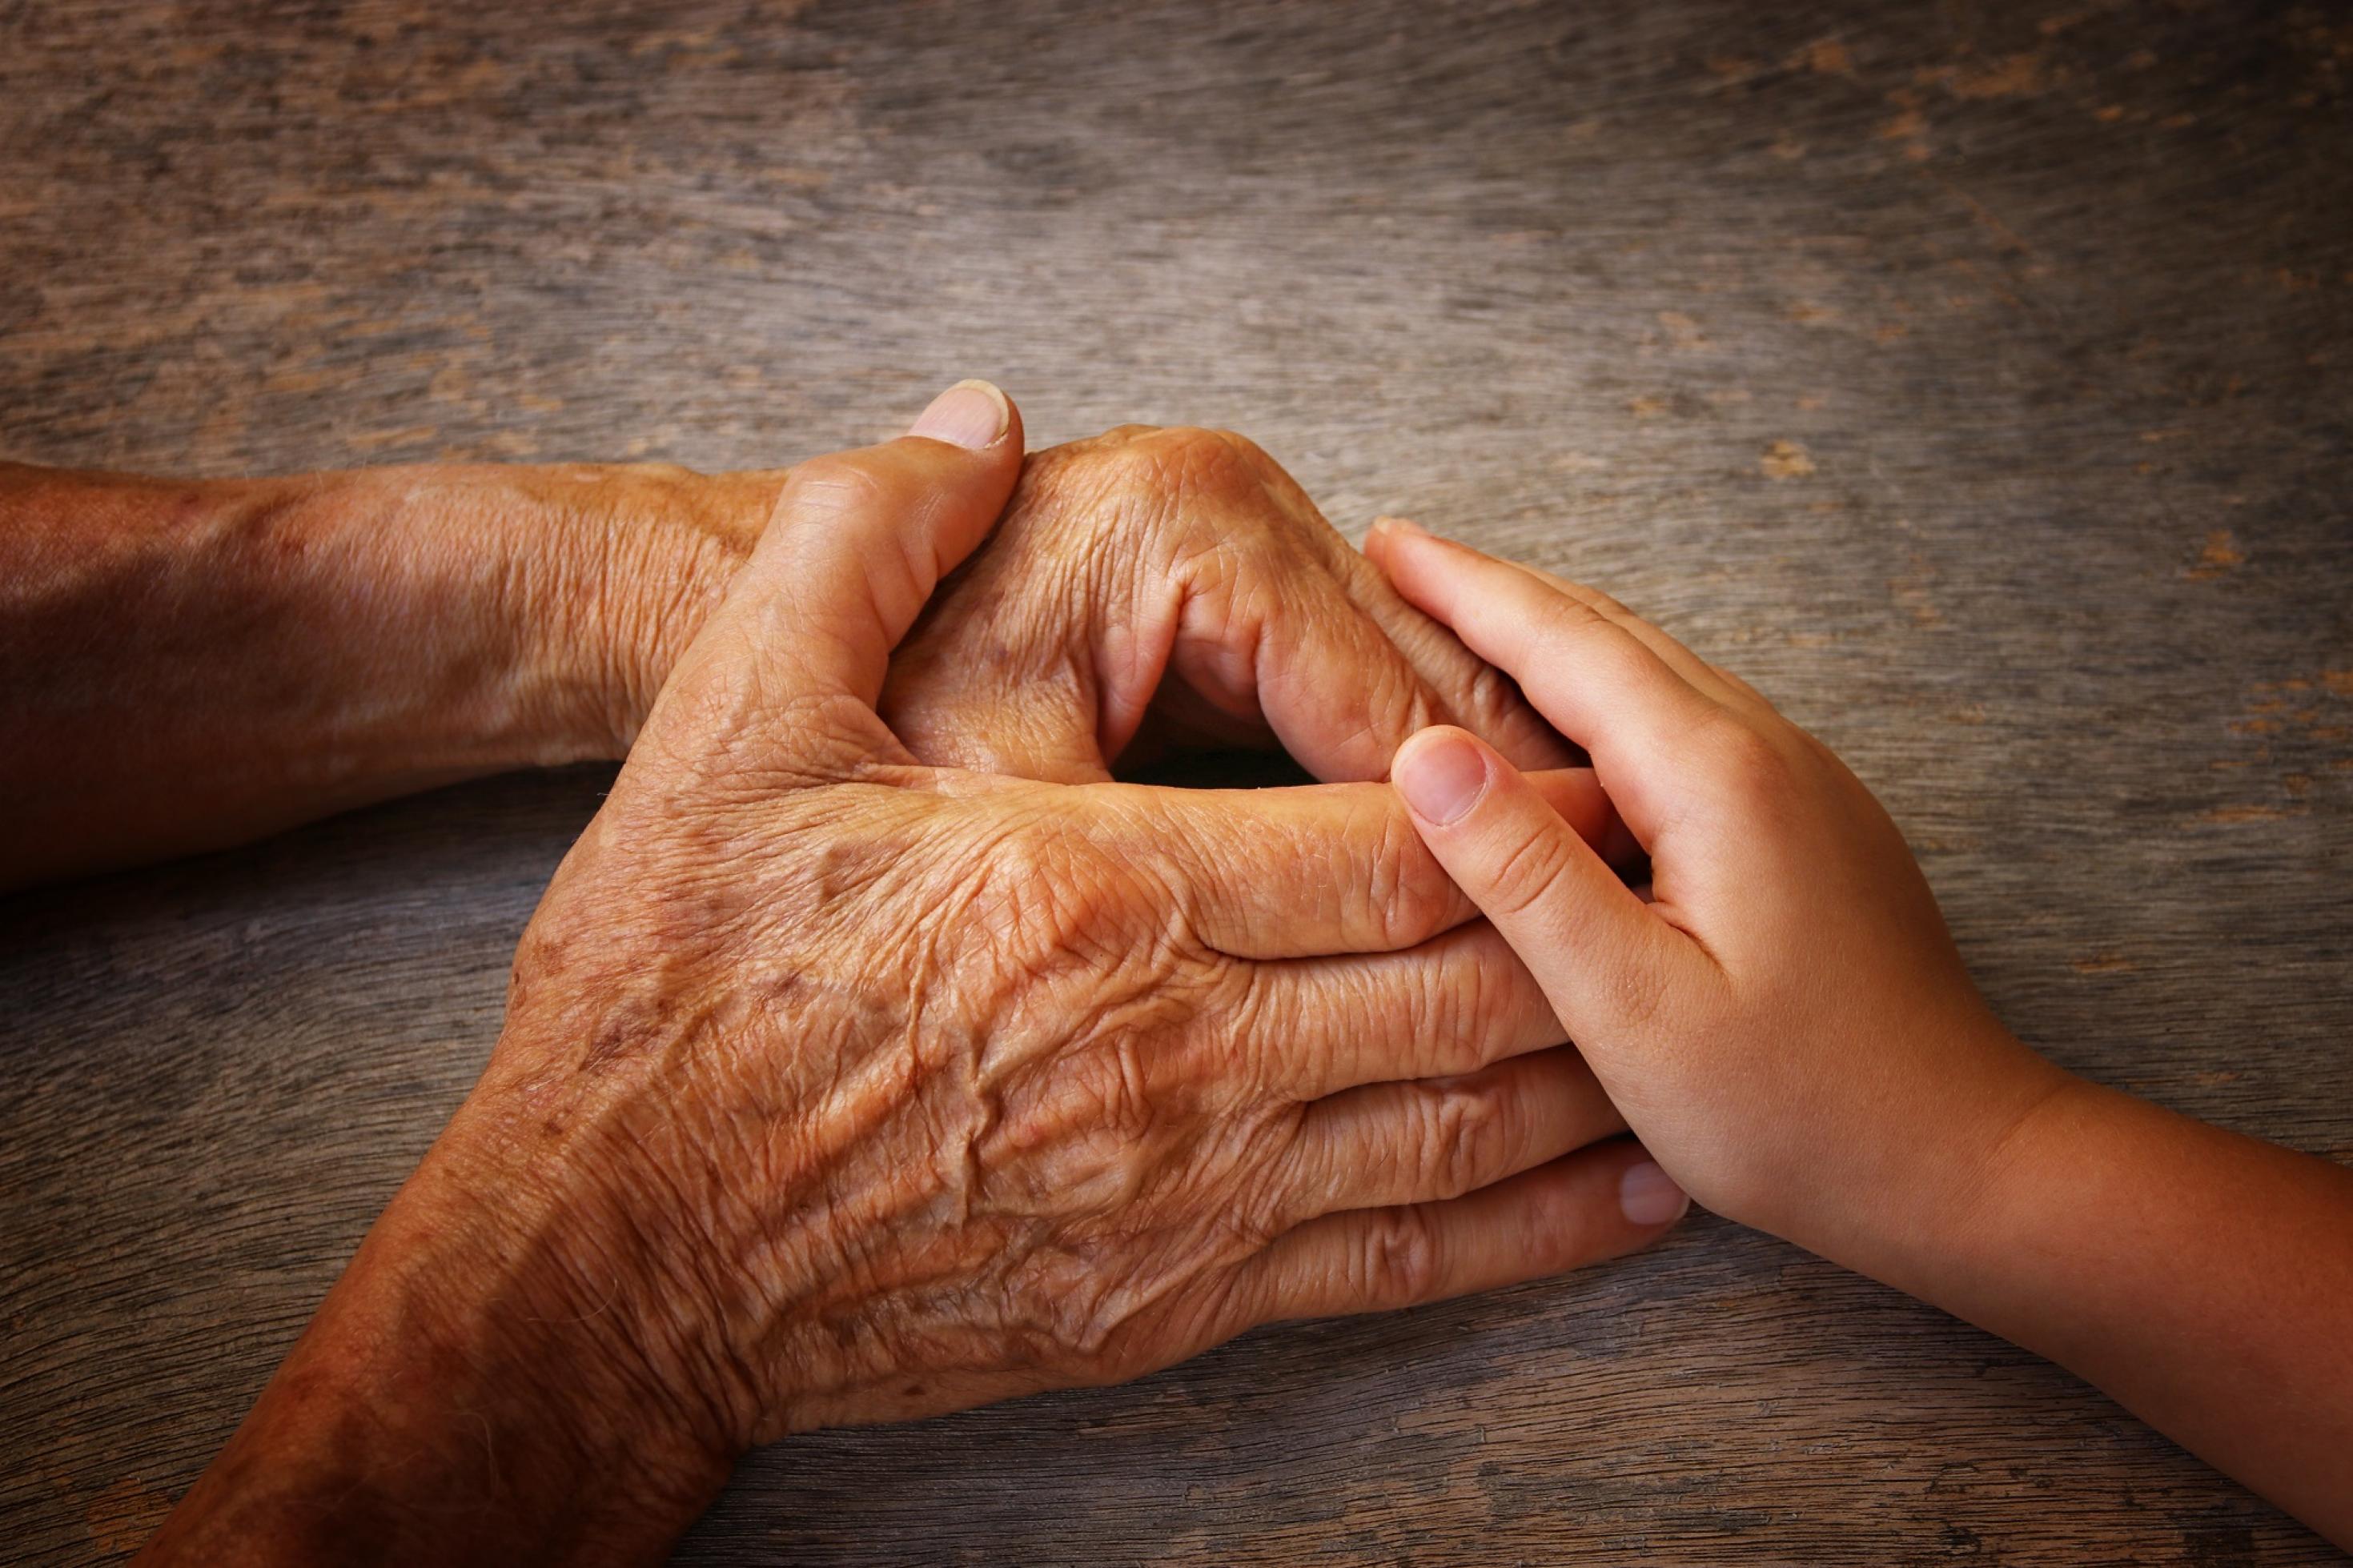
(1031, 897)
(1244, 1017)
(1279, 1193)
(1456, 1002)
(1628, 657)
(1578, 614)
(1490, 696)
(1751, 766)
(1397, 1256)
(1740, 686)
(1118, 435)
(1220, 448)
(1602, 604)
(1459, 1125)
(1558, 1229)
(1020, 869)
(1069, 496)
(1398, 699)
(1406, 893)
(1121, 490)
(1530, 872)
(1200, 463)
(840, 481)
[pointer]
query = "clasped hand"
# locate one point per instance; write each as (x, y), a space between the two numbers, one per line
(842, 1085)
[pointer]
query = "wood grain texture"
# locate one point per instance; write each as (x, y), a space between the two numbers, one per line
(1976, 378)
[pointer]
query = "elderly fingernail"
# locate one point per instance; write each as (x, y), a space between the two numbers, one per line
(970, 414)
(1440, 776)
(1648, 1195)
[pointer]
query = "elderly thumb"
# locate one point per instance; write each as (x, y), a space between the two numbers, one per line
(856, 545)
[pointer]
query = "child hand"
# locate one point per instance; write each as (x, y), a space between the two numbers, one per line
(1787, 1023)
(1788, 1026)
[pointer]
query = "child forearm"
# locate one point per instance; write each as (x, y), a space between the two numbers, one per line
(2203, 1278)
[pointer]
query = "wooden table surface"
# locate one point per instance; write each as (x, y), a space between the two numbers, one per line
(1976, 378)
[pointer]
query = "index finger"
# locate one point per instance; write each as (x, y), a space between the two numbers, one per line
(1321, 869)
(1352, 632)
(1599, 684)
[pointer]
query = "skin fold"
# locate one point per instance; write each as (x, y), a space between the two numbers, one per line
(1788, 1026)
(837, 1085)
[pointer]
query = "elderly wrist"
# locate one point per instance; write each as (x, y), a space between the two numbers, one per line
(628, 561)
(432, 584)
(456, 1399)
(567, 1277)
(567, 590)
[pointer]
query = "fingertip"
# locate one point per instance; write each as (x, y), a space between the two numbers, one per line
(1648, 1197)
(975, 414)
(1381, 539)
(1440, 773)
(1015, 435)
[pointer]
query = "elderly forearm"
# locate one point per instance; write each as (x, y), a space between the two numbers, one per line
(190, 664)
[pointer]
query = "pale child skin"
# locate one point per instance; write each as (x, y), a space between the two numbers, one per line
(1886, 1121)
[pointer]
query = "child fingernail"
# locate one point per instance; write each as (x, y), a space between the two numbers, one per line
(969, 414)
(1440, 777)
(1648, 1195)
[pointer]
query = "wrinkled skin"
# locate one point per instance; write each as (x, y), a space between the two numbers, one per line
(979, 1088)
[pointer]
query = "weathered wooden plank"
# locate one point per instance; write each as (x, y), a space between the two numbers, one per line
(1976, 378)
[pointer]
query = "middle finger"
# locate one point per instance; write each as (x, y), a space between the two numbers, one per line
(1458, 1003)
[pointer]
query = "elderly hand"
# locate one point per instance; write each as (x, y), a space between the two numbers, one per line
(838, 1087)
(1147, 591)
